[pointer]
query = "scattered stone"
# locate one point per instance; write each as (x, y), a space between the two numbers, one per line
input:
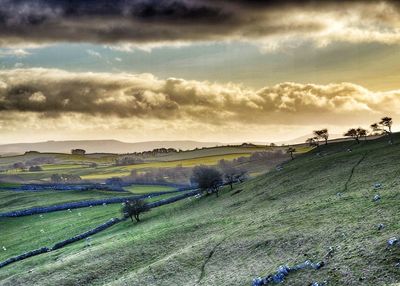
(4, 248)
(323, 283)
(349, 150)
(376, 198)
(88, 241)
(381, 226)
(339, 194)
(41, 216)
(284, 271)
(69, 210)
(393, 241)
(377, 185)
(104, 204)
(279, 168)
(330, 252)
(42, 230)
(79, 214)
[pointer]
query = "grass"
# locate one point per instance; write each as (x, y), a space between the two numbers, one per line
(121, 171)
(143, 189)
(321, 199)
(11, 200)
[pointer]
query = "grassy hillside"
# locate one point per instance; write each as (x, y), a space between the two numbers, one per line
(322, 199)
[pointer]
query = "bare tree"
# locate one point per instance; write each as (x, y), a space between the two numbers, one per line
(231, 173)
(322, 134)
(290, 151)
(312, 142)
(356, 133)
(207, 178)
(134, 208)
(385, 125)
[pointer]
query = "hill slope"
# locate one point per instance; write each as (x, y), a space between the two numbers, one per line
(322, 199)
(101, 146)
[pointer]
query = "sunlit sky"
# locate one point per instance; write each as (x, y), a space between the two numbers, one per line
(220, 71)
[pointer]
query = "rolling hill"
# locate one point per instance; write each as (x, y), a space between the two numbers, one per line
(101, 146)
(321, 202)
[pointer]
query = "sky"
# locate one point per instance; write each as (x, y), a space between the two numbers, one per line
(205, 70)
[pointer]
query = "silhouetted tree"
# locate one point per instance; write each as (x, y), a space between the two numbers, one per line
(290, 151)
(78, 152)
(312, 142)
(133, 209)
(322, 134)
(356, 133)
(363, 133)
(385, 125)
(207, 178)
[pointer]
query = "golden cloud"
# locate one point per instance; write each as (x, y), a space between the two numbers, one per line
(52, 93)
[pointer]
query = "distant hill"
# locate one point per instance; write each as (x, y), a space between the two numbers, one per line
(101, 146)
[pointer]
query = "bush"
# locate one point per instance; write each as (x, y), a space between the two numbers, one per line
(134, 208)
(207, 178)
(35, 169)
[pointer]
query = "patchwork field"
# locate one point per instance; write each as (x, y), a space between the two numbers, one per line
(104, 168)
(322, 200)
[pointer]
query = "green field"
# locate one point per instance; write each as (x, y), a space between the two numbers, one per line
(80, 164)
(322, 199)
(143, 189)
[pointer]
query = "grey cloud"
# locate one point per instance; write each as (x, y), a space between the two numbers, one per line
(52, 93)
(167, 21)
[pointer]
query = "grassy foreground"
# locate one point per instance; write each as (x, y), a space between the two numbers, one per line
(322, 199)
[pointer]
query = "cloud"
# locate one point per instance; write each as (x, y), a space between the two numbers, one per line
(94, 53)
(19, 53)
(151, 23)
(52, 93)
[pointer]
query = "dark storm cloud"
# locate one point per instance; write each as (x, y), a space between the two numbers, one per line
(158, 21)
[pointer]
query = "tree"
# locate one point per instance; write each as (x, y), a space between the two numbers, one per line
(322, 134)
(35, 169)
(363, 133)
(207, 178)
(78, 152)
(312, 142)
(290, 151)
(133, 209)
(231, 173)
(56, 178)
(356, 133)
(385, 125)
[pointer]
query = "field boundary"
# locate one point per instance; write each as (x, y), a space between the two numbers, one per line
(93, 231)
(84, 204)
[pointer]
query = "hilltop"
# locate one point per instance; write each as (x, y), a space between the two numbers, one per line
(101, 146)
(322, 200)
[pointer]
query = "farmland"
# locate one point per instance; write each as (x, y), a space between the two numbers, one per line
(323, 199)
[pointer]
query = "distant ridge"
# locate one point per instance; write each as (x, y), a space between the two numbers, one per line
(101, 146)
